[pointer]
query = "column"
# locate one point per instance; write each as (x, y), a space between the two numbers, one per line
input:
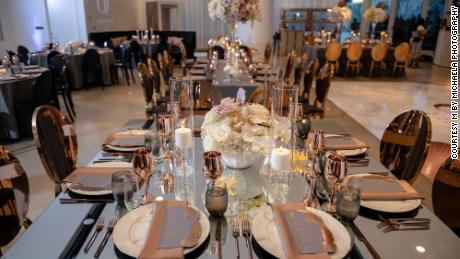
(364, 28)
(257, 34)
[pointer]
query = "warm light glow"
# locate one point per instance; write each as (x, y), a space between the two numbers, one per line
(357, 1)
(159, 198)
(420, 249)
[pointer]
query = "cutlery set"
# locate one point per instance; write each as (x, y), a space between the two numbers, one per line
(99, 227)
(243, 228)
(395, 224)
(83, 200)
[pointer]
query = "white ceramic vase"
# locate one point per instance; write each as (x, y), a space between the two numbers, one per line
(240, 160)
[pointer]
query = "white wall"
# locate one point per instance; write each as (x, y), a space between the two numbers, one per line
(19, 21)
(67, 20)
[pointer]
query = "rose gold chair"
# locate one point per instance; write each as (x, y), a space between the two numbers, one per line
(323, 84)
(14, 197)
(332, 54)
(56, 143)
(299, 71)
(309, 77)
(378, 54)
(354, 53)
(437, 155)
(405, 143)
(401, 55)
(216, 48)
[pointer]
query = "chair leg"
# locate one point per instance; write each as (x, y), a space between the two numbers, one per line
(357, 68)
(69, 112)
(68, 96)
(371, 69)
(394, 69)
(346, 68)
(125, 72)
(132, 75)
(27, 223)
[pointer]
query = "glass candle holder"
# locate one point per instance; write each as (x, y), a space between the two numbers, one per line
(348, 203)
(216, 200)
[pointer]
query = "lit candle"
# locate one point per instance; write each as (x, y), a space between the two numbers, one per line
(281, 159)
(183, 138)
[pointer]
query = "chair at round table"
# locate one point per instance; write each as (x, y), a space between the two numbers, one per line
(92, 69)
(220, 52)
(401, 55)
(378, 54)
(332, 54)
(354, 53)
(323, 83)
(310, 74)
(14, 197)
(56, 143)
(405, 143)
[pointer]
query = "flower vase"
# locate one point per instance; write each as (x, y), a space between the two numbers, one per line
(339, 31)
(233, 54)
(240, 160)
(373, 25)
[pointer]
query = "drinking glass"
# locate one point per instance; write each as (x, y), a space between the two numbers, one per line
(142, 165)
(315, 144)
(123, 188)
(165, 127)
(334, 173)
(348, 203)
(310, 199)
(153, 143)
(216, 198)
(213, 167)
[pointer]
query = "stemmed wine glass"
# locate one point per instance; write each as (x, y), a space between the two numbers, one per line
(165, 127)
(335, 173)
(315, 144)
(143, 167)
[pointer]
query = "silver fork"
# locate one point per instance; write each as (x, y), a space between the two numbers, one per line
(246, 229)
(108, 232)
(99, 228)
(398, 228)
(236, 235)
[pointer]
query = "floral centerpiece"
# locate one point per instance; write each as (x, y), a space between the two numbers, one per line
(231, 128)
(375, 15)
(340, 14)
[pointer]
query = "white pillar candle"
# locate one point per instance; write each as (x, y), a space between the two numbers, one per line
(281, 159)
(183, 138)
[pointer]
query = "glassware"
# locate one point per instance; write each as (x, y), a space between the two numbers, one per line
(348, 203)
(143, 165)
(310, 199)
(315, 144)
(153, 143)
(165, 127)
(123, 188)
(334, 173)
(213, 166)
(216, 198)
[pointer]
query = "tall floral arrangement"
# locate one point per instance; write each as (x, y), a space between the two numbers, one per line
(340, 13)
(375, 15)
(234, 10)
(233, 126)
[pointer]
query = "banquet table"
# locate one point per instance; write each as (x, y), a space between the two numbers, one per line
(76, 65)
(14, 91)
(317, 51)
(148, 48)
(52, 230)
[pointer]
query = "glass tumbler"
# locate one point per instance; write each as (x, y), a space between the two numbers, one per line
(348, 203)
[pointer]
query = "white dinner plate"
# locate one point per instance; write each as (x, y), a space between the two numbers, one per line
(266, 233)
(122, 149)
(104, 192)
(131, 231)
(391, 206)
(352, 152)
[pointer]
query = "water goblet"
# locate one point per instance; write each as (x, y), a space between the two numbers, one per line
(213, 166)
(142, 166)
(123, 188)
(348, 203)
(334, 173)
(165, 127)
(315, 144)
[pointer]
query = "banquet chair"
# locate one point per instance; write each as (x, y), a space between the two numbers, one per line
(378, 54)
(220, 51)
(123, 63)
(14, 197)
(146, 79)
(401, 54)
(354, 53)
(61, 75)
(164, 72)
(51, 55)
(92, 69)
(437, 154)
(268, 52)
(184, 61)
(42, 94)
(299, 71)
(332, 54)
(446, 193)
(248, 52)
(56, 143)
(289, 68)
(323, 83)
(310, 74)
(23, 54)
(405, 143)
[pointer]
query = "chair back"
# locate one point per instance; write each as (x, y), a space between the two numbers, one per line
(437, 155)
(134, 51)
(446, 194)
(405, 143)
(51, 55)
(333, 51)
(268, 52)
(56, 142)
(290, 66)
(14, 196)
(23, 54)
(379, 51)
(220, 51)
(248, 51)
(354, 51)
(310, 74)
(402, 52)
(323, 83)
(299, 71)
(42, 89)
(146, 82)
(92, 66)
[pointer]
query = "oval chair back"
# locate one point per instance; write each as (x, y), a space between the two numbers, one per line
(333, 51)
(56, 143)
(405, 143)
(379, 51)
(402, 52)
(220, 51)
(354, 51)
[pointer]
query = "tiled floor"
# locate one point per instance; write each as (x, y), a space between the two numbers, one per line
(371, 102)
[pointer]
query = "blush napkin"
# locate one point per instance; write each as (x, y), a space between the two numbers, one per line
(92, 178)
(125, 140)
(174, 226)
(343, 143)
(377, 187)
(307, 241)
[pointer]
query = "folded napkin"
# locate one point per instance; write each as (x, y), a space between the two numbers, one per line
(174, 226)
(92, 178)
(125, 140)
(303, 234)
(378, 187)
(343, 143)
(196, 72)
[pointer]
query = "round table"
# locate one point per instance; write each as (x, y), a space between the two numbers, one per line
(76, 65)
